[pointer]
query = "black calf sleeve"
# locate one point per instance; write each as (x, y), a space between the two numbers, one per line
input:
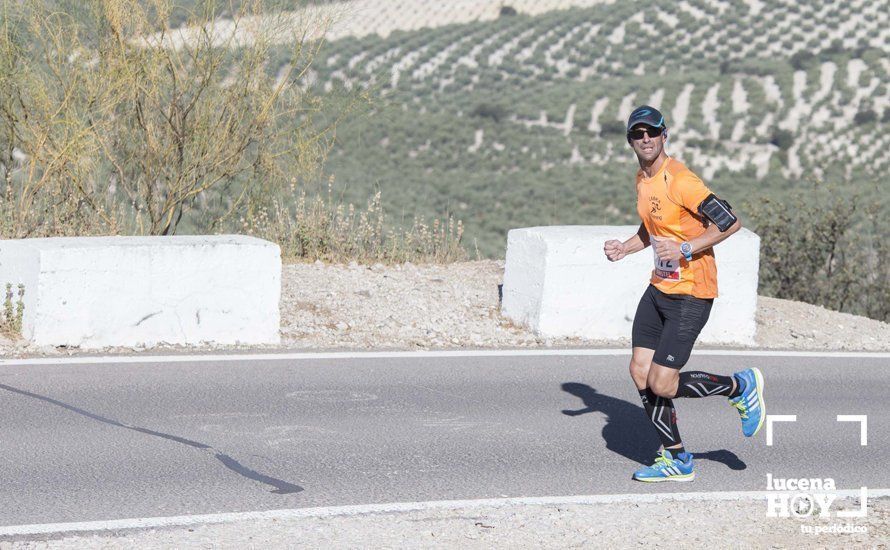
(660, 411)
(703, 384)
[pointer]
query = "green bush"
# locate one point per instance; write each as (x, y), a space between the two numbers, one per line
(613, 128)
(783, 139)
(803, 60)
(865, 117)
(823, 247)
(493, 111)
(836, 47)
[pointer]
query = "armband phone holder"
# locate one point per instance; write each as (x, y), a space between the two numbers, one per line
(718, 212)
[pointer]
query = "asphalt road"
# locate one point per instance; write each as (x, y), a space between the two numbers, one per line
(109, 441)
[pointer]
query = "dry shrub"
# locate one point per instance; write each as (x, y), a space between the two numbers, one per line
(107, 128)
(13, 312)
(320, 228)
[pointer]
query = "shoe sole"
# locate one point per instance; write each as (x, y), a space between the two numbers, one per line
(758, 378)
(676, 478)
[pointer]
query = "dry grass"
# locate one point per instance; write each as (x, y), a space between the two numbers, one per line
(13, 312)
(103, 131)
(321, 228)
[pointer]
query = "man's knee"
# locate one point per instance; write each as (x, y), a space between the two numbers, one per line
(663, 381)
(639, 368)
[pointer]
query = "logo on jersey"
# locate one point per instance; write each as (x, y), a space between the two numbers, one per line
(654, 205)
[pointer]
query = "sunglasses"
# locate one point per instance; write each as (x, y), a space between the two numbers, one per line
(637, 133)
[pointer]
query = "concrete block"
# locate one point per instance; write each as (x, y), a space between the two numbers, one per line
(558, 283)
(93, 292)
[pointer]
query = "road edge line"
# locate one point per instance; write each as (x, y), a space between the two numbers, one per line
(302, 356)
(395, 507)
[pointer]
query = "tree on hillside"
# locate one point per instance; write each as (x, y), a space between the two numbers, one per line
(127, 124)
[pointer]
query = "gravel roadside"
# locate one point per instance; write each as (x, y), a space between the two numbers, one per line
(669, 524)
(418, 307)
(456, 305)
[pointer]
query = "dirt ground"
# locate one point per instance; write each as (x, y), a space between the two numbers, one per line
(360, 307)
(663, 524)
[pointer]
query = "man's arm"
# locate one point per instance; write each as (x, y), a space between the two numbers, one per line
(712, 236)
(670, 250)
(616, 250)
(696, 197)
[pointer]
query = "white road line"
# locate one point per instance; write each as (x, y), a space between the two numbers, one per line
(331, 511)
(302, 356)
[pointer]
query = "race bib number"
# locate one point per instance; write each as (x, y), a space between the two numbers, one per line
(667, 269)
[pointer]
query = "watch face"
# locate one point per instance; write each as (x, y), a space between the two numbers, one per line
(686, 248)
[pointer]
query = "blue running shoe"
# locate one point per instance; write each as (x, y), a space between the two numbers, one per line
(667, 468)
(750, 402)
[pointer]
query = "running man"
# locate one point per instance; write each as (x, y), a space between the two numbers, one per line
(682, 220)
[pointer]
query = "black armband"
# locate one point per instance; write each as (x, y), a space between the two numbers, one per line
(718, 211)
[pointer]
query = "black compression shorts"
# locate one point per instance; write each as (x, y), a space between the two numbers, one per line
(669, 324)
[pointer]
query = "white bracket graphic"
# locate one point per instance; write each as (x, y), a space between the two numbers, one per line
(863, 506)
(770, 418)
(863, 425)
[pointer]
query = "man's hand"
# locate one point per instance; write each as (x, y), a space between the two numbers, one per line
(614, 250)
(666, 249)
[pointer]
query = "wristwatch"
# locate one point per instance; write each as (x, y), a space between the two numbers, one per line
(686, 249)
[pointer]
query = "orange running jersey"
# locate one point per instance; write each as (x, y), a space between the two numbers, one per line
(668, 205)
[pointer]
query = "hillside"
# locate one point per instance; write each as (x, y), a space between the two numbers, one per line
(517, 121)
(502, 115)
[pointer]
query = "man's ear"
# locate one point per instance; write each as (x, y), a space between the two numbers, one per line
(665, 134)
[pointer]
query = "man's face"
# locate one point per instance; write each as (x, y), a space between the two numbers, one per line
(645, 143)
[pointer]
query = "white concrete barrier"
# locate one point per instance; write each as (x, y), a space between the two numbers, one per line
(93, 292)
(558, 282)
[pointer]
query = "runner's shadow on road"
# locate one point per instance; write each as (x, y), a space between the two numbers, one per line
(627, 432)
(278, 486)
